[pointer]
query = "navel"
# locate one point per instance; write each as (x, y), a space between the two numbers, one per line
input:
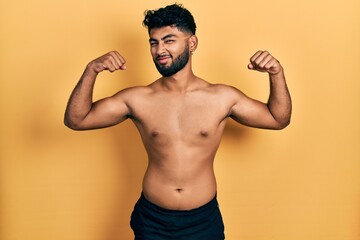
(204, 133)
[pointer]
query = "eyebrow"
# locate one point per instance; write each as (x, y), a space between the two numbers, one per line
(163, 38)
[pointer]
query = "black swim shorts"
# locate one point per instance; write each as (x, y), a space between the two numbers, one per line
(151, 222)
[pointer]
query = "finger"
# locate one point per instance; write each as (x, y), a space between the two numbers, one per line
(114, 62)
(108, 65)
(115, 58)
(273, 66)
(257, 59)
(250, 66)
(121, 60)
(266, 58)
(255, 56)
(271, 63)
(261, 58)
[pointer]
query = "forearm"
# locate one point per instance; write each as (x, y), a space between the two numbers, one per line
(279, 102)
(80, 101)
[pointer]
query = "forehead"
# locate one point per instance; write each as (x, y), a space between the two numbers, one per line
(159, 33)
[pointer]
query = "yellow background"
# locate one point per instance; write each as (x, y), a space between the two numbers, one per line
(296, 184)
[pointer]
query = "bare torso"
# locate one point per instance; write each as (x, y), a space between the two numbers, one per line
(181, 133)
(180, 118)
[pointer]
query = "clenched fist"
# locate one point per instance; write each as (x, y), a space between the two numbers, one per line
(111, 61)
(263, 61)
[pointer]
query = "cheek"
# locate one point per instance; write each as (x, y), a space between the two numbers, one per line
(176, 47)
(175, 50)
(153, 52)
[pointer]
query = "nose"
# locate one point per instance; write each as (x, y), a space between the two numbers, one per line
(160, 49)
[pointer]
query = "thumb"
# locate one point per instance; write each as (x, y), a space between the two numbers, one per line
(250, 66)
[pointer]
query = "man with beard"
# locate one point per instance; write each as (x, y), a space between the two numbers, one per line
(180, 118)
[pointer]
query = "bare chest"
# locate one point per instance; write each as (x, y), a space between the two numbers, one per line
(180, 117)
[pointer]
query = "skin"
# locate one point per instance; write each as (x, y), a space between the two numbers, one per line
(180, 118)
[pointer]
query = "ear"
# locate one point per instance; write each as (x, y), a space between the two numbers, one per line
(193, 43)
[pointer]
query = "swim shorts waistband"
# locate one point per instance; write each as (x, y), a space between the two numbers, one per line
(146, 203)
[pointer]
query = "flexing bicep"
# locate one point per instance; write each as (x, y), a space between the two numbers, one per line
(251, 112)
(105, 113)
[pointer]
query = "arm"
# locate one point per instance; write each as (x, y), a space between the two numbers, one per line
(81, 113)
(276, 113)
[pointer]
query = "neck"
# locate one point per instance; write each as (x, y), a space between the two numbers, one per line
(180, 81)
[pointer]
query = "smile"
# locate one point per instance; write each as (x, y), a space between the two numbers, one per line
(162, 59)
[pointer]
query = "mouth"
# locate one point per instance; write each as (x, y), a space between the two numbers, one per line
(162, 59)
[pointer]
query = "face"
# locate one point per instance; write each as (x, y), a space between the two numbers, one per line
(169, 49)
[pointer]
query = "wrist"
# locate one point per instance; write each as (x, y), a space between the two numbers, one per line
(279, 72)
(277, 77)
(91, 69)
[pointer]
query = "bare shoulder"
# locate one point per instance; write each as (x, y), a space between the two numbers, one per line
(131, 92)
(224, 90)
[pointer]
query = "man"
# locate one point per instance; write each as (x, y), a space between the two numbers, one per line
(180, 118)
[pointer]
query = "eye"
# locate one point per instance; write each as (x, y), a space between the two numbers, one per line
(153, 44)
(169, 41)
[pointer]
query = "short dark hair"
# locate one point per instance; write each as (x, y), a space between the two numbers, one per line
(173, 15)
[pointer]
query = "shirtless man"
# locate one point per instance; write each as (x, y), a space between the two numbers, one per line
(180, 118)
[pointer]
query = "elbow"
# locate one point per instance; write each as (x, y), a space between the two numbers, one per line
(71, 124)
(283, 124)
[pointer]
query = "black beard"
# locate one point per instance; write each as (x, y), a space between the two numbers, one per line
(178, 64)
